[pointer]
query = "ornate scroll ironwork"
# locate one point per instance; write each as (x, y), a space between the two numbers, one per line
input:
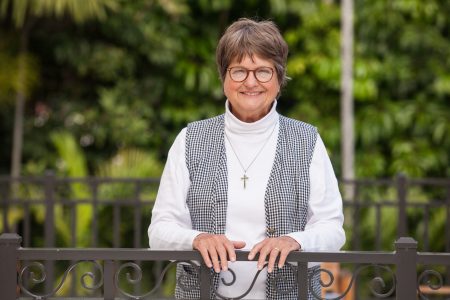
(425, 275)
(375, 281)
(137, 278)
(40, 278)
(28, 273)
(274, 281)
(220, 296)
(285, 281)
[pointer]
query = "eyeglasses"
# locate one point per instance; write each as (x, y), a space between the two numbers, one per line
(262, 74)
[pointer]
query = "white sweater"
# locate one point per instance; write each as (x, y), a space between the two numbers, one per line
(171, 228)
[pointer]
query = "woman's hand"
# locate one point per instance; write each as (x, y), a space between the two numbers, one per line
(273, 247)
(215, 248)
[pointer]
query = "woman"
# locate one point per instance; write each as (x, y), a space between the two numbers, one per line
(248, 179)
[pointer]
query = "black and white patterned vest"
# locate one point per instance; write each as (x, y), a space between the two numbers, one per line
(286, 196)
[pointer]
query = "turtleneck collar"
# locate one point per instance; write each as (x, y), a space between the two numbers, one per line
(234, 125)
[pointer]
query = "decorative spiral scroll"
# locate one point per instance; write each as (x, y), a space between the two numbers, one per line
(218, 295)
(377, 281)
(426, 275)
(42, 276)
(138, 278)
(232, 281)
(285, 281)
(330, 276)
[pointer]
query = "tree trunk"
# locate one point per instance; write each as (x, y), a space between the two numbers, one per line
(16, 155)
(347, 114)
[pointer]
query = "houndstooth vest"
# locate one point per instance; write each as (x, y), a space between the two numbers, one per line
(286, 196)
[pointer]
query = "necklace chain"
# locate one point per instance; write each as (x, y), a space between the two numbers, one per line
(245, 178)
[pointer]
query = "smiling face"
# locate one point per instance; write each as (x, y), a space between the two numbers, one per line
(250, 100)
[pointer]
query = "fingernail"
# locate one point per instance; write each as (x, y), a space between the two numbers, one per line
(225, 268)
(217, 270)
(250, 257)
(233, 258)
(259, 267)
(269, 270)
(280, 266)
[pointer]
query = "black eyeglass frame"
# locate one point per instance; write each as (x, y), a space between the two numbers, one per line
(248, 72)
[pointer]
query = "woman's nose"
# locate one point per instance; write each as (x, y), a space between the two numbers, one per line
(251, 79)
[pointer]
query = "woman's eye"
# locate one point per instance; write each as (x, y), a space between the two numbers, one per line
(264, 72)
(239, 72)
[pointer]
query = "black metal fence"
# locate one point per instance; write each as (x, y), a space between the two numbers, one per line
(20, 267)
(419, 208)
(48, 206)
(49, 211)
(36, 206)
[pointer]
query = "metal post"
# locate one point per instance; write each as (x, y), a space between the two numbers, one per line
(137, 230)
(402, 219)
(6, 200)
(447, 234)
(73, 229)
(94, 187)
(9, 243)
(49, 226)
(108, 280)
(116, 224)
(406, 274)
(49, 209)
(137, 215)
(205, 282)
(356, 236)
(302, 280)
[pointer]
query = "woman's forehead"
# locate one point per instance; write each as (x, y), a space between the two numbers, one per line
(254, 58)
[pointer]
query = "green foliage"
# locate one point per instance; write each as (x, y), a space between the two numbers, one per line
(81, 10)
(110, 88)
(9, 81)
(72, 163)
(128, 163)
(131, 163)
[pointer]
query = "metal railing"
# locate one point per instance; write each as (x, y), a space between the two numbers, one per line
(117, 200)
(399, 267)
(125, 199)
(421, 197)
(43, 209)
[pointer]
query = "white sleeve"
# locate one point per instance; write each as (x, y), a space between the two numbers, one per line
(171, 227)
(324, 227)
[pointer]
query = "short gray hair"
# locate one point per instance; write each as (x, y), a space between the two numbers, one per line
(246, 37)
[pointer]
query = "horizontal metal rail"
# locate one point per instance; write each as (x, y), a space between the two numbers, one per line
(400, 265)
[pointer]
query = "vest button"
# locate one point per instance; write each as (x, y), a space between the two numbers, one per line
(270, 230)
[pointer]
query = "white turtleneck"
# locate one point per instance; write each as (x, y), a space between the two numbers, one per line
(254, 144)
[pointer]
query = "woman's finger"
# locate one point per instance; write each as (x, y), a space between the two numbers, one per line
(263, 255)
(222, 255)
(204, 252)
(256, 249)
(214, 258)
(230, 251)
(283, 256)
(272, 258)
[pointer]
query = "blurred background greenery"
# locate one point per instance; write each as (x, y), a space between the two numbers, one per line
(115, 77)
(101, 88)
